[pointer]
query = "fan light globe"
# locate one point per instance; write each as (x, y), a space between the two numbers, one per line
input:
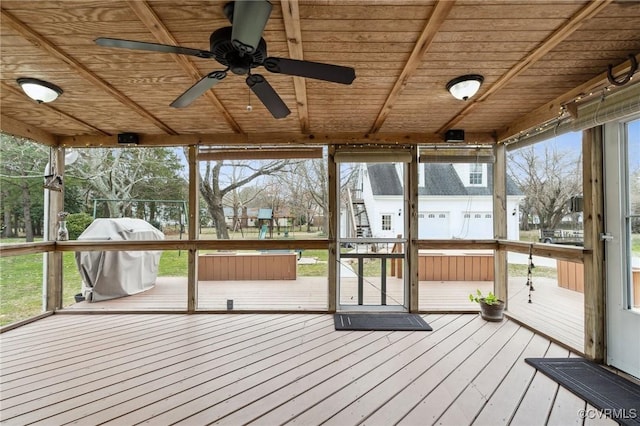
(465, 86)
(38, 90)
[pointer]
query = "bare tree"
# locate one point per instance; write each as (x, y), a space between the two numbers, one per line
(216, 184)
(316, 182)
(303, 206)
(122, 175)
(316, 179)
(548, 178)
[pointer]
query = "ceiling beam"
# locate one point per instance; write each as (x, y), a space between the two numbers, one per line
(153, 23)
(559, 35)
(553, 109)
(438, 16)
(256, 140)
(18, 128)
(266, 153)
(40, 42)
(54, 110)
(291, 17)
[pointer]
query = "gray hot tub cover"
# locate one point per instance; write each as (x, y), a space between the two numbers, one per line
(111, 274)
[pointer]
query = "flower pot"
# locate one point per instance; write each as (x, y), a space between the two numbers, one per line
(493, 312)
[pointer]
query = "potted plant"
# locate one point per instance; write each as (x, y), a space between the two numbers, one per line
(491, 308)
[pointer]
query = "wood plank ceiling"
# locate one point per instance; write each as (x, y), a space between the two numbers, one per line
(534, 56)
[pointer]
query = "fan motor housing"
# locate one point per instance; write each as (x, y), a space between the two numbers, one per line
(238, 62)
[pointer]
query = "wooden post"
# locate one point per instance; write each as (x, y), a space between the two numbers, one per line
(396, 264)
(411, 255)
(334, 217)
(194, 221)
(53, 288)
(500, 222)
(393, 262)
(593, 213)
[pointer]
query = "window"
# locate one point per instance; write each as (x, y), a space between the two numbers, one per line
(386, 222)
(475, 174)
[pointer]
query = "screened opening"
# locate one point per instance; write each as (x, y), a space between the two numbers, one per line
(549, 175)
(268, 194)
(24, 166)
(21, 287)
(269, 198)
(455, 193)
(135, 280)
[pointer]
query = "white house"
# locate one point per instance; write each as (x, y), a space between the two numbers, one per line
(455, 201)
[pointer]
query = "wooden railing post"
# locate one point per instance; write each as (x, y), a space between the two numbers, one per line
(54, 279)
(194, 221)
(500, 222)
(594, 277)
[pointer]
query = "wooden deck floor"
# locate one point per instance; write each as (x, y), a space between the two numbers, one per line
(555, 312)
(273, 369)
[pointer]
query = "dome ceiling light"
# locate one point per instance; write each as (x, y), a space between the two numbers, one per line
(38, 90)
(465, 86)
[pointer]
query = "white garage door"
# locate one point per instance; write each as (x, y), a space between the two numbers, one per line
(433, 225)
(480, 225)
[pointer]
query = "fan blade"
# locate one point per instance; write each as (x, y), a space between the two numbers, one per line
(152, 47)
(268, 96)
(198, 89)
(317, 70)
(249, 19)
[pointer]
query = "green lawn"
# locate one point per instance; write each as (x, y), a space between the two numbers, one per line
(20, 287)
(21, 282)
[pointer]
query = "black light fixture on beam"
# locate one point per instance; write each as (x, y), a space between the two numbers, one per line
(454, 135)
(465, 86)
(39, 90)
(128, 138)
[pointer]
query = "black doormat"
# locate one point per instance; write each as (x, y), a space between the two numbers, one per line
(613, 395)
(381, 321)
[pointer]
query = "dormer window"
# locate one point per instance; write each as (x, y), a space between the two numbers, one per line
(476, 175)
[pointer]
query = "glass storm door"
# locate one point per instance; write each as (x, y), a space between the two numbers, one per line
(622, 225)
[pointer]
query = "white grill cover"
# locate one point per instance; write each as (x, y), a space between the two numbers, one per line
(111, 274)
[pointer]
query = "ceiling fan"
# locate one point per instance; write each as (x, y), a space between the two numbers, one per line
(240, 48)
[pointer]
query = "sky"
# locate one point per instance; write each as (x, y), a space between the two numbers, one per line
(572, 142)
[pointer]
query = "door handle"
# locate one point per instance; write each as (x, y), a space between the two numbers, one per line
(605, 236)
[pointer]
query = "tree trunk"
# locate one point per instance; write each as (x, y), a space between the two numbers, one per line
(26, 210)
(218, 217)
(524, 220)
(6, 214)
